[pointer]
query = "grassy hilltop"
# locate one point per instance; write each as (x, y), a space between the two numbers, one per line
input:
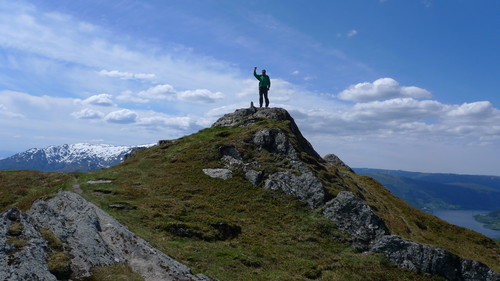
(232, 230)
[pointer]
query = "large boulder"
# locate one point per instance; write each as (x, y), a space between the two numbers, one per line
(305, 186)
(355, 217)
(430, 259)
(87, 237)
(275, 141)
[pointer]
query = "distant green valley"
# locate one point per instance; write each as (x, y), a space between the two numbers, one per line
(431, 191)
(491, 220)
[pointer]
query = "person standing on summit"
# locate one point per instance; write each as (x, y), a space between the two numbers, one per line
(264, 85)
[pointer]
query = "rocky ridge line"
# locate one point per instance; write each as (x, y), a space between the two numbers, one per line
(351, 214)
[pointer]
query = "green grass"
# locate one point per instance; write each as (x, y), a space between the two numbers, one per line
(173, 205)
(22, 188)
(116, 272)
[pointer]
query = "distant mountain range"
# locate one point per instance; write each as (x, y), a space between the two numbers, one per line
(80, 157)
(429, 191)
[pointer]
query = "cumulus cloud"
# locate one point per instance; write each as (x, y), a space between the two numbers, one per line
(88, 113)
(159, 92)
(99, 100)
(127, 75)
(123, 116)
(200, 95)
(476, 110)
(383, 88)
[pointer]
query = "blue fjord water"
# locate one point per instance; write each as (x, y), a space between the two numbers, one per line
(466, 219)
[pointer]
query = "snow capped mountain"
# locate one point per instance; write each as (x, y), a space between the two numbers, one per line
(69, 157)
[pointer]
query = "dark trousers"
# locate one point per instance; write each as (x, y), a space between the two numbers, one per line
(263, 94)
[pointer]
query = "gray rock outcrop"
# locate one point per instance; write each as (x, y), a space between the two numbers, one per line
(219, 173)
(335, 160)
(275, 141)
(88, 236)
(306, 187)
(22, 254)
(355, 217)
(248, 116)
(434, 260)
(301, 182)
(233, 160)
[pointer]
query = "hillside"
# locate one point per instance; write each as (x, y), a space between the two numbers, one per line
(250, 199)
(439, 191)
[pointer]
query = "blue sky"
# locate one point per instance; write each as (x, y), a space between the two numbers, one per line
(409, 85)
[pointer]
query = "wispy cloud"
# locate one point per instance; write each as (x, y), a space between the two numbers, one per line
(6, 112)
(352, 33)
(168, 93)
(127, 75)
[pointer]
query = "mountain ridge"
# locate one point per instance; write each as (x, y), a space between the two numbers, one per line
(81, 157)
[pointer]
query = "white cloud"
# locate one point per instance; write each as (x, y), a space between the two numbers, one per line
(383, 88)
(88, 113)
(99, 100)
(475, 110)
(168, 93)
(352, 32)
(396, 109)
(159, 92)
(200, 95)
(127, 75)
(129, 96)
(6, 112)
(123, 116)
(162, 120)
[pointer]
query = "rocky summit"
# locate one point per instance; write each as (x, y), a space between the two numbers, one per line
(247, 199)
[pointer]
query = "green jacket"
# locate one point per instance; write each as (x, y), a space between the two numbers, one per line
(264, 80)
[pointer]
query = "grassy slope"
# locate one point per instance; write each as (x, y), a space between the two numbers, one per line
(164, 189)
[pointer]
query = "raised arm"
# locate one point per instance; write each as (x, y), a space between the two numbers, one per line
(255, 73)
